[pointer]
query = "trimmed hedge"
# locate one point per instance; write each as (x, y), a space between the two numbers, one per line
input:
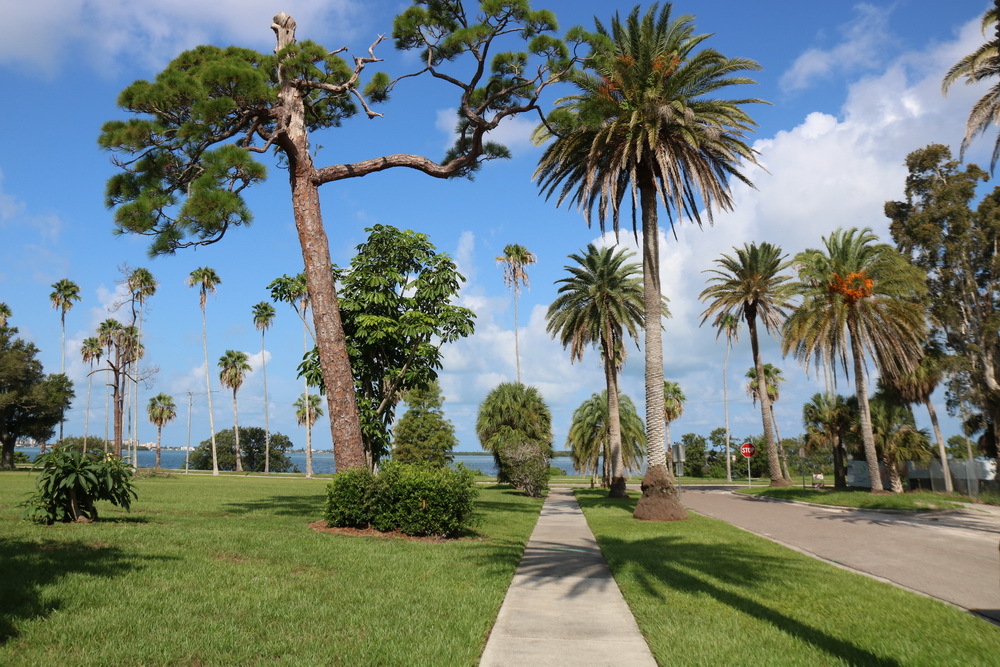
(415, 499)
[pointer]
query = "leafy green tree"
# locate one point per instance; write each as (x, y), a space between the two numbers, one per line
(233, 369)
(649, 118)
(188, 156)
(860, 293)
(31, 402)
(253, 439)
(91, 351)
(959, 447)
(772, 380)
(423, 434)
(307, 411)
(514, 416)
(589, 438)
(827, 419)
(64, 293)
(598, 304)
(161, 411)
(751, 286)
(5, 314)
(263, 316)
(695, 454)
(515, 261)
(206, 280)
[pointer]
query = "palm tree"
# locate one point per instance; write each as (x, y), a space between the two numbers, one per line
(751, 286)
(91, 350)
(897, 437)
(772, 380)
(980, 65)
(673, 406)
(729, 324)
(513, 413)
(142, 285)
(827, 419)
(515, 260)
(161, 411)
(308, 409)
(5, 314)
(865, 296)
(64, 293)
(106, 332)
(206, 280)
(263, 315)
(649, 119)
(590, 438)
(233, 369)
(598, 304)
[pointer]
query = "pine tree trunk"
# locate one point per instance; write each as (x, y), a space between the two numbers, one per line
(773, 464)
(864, 409)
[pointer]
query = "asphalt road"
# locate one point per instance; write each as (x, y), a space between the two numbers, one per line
(951, 555)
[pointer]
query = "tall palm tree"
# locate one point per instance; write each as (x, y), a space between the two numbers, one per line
(772, 380)
(827, 420)
(207, 280)
(161, 411)
(751, 286)
(106, 332)
(297, 295)
(515, 261)
(649, 118)
(589, 437)
(598, 304)
(233, 369)
(673, 406)
(981, 65)
(142, 285)
(728, 324)
(263, 316)
(64, 293)
(308, 409)
(5, 314)
(864, 296)
(91, 351)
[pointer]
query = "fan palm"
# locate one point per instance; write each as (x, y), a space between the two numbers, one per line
(751, 286)
(515, 260)
(772, 380)
(308, 408)
(207, 280)
(648, 118)
(865, 296)
(897, 437)
(161, 410)
(263, 316)
(827, 420)
(64, 293)
(673, 406)
(728, 324)
(91, 351)
(513, 414)
(589, 438)
(598, 304)
(233, 369)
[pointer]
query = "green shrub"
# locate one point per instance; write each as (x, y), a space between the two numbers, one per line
(21, 458)
(527, 466)
(414, 499)
(556, 472)
(71, 482)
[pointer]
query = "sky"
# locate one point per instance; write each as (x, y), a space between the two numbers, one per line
(852, 89)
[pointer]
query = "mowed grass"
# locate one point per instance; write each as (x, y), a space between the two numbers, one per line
(863, 499)
(227, 571)
(706, 593)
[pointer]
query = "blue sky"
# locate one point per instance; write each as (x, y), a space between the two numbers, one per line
(853, 87)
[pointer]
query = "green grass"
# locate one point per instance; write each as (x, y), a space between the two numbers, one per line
(706, 593)
(226, 570)
(862, 499)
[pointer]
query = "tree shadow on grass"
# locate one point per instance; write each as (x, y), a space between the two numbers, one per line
(283, 505)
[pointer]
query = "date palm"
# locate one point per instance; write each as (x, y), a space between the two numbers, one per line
(861, 296)
(233, 369)
(728, 324)
(263, 316)
(91, 350)
(673, 406)
(589, 438)
(598, 305)
(308, 409)
(64, 293)
(772, 380)
(750, 285)
(650, 118)
(206, 280)
(161, 411)
(515, 261)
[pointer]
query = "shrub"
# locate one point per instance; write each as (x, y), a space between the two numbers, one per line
(72, 481)
(415, 499)
(527, 466)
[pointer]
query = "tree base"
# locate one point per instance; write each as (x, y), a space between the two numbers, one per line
(780, 483)
(618, 489)
(660, 501)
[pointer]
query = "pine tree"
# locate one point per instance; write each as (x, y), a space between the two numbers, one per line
(422, 433)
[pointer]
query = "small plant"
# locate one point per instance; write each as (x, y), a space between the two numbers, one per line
(71, 482)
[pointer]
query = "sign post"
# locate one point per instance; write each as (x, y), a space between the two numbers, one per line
(748, 450)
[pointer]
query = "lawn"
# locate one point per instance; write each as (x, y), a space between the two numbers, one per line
(706, 593)
(863, 499)
(226, 570)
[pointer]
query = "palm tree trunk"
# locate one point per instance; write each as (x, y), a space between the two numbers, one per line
(864, 410)
(617, 481)
(208, 388)
(236, 434)
(267, 428)
(892, 472)
(839, 471)
(517, 351)
(107, 414)
(781, 448)
(159, 435)
(135, 393)
(773, 464)
(660, 499)
(942, 453)
(725, 403)
(86, 417)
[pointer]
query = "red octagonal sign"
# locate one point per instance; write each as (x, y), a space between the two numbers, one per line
(748, 449)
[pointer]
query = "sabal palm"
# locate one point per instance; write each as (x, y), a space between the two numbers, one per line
(728, 324)
(750, 285)
(515, 261)
(980, 65)
(263, 316)
(827, 420)
(863, 296)
(142, 285)
(599, 304)
(650, 120)
(206, 280)
(233, 368)
(898, 438)
(589, 437)
(308, 409)
(64, 293)
(161, 411)
(512, 413)
(673, 406)
(772, 381)
(91, 350)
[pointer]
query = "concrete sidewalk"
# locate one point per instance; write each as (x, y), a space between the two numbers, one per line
(563, 606)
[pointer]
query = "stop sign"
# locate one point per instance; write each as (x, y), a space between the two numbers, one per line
(747, 449)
